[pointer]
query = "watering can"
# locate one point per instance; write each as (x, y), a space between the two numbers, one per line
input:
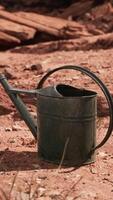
(66, 119)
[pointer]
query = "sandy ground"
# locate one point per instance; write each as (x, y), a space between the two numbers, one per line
(22, 174)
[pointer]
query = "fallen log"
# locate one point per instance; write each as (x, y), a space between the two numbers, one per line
(85, 43)
(77, 9)
(54, 26)
(19, 31)
(59, 27)
(8, 40)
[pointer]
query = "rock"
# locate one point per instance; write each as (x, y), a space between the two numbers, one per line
(24, 196)
(16, 127)
(35, 67)
(29, 143)
(42, 177)
(102, 154)
(70, 198)
(36, 166)
(4, 66)
(41, 191)
(8, 129)
(55, 194)
(87, 195)
(9, 73)
(93, 170)
(2, 173)
(4, 109)
(12, 140)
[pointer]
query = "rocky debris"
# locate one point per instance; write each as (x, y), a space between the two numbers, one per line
(28, 143)
(16, 127)
(4, 110)
(87, 195)
(5, 103)
(34, 67)
(3, 66)
(9, 73)
(7, 129)
(41, 191)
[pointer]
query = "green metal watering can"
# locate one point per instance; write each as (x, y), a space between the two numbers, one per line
(66, 118)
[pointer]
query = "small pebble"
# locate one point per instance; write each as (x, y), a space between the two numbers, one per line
(8, 129)
(41, 191)
(16, 127)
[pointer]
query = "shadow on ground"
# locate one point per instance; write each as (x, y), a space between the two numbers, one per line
(22, 161)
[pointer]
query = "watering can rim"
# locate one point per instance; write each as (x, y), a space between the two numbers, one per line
(59, 96)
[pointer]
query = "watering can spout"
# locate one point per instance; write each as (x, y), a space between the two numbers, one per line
(17, 101)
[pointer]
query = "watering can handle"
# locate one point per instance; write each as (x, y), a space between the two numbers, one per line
(101, 85)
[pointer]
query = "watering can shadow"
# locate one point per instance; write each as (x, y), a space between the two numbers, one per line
(66, 118)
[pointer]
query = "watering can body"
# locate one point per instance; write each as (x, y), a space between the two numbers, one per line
(66, 119)
(67, 125)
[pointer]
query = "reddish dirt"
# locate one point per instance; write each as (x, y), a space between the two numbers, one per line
(22, 174)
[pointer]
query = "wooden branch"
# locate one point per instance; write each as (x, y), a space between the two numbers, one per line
(19, 31)
(51, 25)
(8, 40)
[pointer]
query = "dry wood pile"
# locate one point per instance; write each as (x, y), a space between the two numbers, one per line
(80, 25)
